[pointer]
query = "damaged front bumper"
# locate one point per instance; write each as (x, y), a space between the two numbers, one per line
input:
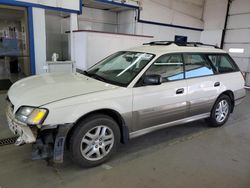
(26, 134)
(50, 143)
(47, 143)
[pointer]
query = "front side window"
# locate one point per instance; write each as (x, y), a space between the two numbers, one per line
(120, 68)
(170, 67)
(222, 63)
(196, 66)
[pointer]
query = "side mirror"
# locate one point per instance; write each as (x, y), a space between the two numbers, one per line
(153, 79)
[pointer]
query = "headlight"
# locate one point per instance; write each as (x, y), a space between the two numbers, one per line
(31, 115)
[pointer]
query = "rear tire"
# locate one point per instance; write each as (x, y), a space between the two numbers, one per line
(220, 112)
(94, 140)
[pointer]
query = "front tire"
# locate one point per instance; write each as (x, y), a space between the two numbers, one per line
(220, 112)
(94, 140)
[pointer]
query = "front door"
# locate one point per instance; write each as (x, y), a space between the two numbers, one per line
(160, 104)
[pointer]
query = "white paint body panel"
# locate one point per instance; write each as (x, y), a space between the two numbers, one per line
(70, 110)
(154, 105)
(40, 90)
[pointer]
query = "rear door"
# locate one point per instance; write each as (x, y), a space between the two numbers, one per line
(159, 104)
(203, 84)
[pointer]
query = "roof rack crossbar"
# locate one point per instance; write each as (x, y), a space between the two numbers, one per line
(166, 43)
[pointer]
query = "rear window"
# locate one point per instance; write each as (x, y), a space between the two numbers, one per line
(222, 63)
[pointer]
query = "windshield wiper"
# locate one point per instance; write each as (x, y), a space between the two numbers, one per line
(96, 76)
(85, 73)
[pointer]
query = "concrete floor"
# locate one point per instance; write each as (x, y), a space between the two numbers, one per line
(191, 155)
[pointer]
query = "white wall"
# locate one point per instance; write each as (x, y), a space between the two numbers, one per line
(67, 4)
(178, 13)
(39, 39)
(173, 12)
(99, 20)
(185, 13)
(166, 33)
(126, 21)
(90, 47)
(214, 21)
(238, 32)
(94, 19)
(56, 38)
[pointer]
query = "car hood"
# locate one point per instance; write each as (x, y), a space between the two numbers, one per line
(40, 90)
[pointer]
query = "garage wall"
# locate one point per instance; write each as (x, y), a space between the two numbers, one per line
(66, 4)
(214, 20)
(126, 21)
(164, 12)
(166, 33)
(238, 32)
(95, 19)
(56, 38)
(178, 12)
(39, 39)
(58, 23)
(99, 20)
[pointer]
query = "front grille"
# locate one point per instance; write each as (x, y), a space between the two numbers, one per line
(8, 141)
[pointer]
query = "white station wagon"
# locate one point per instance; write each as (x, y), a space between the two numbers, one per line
(126, 95)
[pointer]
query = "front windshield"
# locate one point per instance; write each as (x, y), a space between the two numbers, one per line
(120, 68)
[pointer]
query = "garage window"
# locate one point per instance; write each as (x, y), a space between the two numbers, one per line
(222, 63)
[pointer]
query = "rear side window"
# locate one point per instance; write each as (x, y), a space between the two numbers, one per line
(197, 65)
(222, 63)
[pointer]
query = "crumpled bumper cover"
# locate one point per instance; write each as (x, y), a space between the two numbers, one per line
(24, 132)
(47, 143)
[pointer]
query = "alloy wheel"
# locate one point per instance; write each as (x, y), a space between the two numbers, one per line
(221, 111)
(97, 143)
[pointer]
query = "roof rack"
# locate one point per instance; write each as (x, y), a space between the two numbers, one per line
(190, 44)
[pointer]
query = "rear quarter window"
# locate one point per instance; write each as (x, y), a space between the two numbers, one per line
(223, 63)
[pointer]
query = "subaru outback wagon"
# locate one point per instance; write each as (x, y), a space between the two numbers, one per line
(126, 95)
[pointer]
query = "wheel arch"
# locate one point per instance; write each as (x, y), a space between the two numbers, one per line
(109, 112)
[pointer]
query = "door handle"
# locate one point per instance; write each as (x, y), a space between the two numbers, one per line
(216, 84)
(180, 91)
